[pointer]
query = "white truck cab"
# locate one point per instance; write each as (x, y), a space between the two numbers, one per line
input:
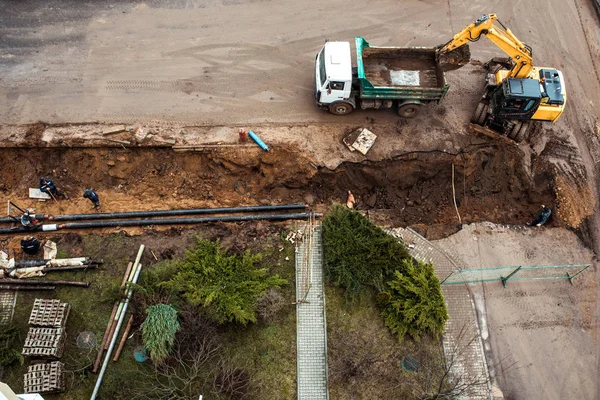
(333, 78)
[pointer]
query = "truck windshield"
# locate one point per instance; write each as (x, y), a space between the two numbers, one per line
(322, 73)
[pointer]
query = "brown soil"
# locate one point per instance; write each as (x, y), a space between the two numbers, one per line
(413, 188)
(575, 202)
(456, 58)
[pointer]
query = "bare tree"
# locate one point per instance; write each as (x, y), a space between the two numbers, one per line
(186, 371)
(231, 381)
(444, 374)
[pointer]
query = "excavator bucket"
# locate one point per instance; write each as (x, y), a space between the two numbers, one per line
(454, 59)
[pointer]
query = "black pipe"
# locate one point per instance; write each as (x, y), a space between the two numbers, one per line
(165, 221)
(34, 282)
(164, 213)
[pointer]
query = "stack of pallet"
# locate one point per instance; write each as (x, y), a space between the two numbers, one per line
(49, 313)
(45, 378)
(46, 340)
(46, 337)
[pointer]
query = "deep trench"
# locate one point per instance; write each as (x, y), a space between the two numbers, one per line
(411, 189)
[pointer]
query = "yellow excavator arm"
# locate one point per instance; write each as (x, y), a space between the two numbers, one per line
(501, 36)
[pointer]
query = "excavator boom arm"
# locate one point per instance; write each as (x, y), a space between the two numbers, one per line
(501, 36)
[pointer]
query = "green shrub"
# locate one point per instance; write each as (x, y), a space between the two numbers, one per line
(357, 253)
(360, 255)
(9, 353)
(158, 331)
(227, 286)
(416, 304)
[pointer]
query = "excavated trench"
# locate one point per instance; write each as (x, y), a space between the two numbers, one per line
(490, 183)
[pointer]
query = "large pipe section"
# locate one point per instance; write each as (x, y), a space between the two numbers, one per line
(164, 221)
(114, 338)
(164, 213)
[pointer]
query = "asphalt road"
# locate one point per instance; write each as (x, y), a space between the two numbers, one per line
(203, 62)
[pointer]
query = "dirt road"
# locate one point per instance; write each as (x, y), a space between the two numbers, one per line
(540, 331)
(223, 62)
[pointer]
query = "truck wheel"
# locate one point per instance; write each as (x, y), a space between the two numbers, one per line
(341, 108)
(480, 114)
(408, 110)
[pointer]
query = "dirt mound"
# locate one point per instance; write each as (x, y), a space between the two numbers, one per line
(575, 202)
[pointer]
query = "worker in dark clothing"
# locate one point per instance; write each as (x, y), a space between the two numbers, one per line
(30, 245)
(93, 196)
(28, 220)
(542, 217)
(48, 186)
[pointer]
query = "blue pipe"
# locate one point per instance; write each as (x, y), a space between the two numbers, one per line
(259, 142)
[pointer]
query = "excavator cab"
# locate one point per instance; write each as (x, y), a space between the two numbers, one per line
(515, 98)
(540, 99)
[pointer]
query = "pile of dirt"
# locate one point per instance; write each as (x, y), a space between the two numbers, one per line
(575, 202)
(455, 59)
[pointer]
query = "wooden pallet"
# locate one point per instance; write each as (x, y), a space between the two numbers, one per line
(45, 378)
(44, 342)
(50, 313)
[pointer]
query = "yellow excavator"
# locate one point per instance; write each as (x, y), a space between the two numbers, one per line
(516, 92)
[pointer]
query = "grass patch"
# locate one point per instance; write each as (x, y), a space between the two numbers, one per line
(364, 357)
(265, 350)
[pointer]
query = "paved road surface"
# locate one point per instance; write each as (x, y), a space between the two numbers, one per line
(234, 61)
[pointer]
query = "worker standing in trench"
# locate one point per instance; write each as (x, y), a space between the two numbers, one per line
(542, 217)
(92, 196)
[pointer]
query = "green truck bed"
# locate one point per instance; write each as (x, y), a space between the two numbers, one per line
(409, 73)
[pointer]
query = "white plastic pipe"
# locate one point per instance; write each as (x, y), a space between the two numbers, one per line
(116, 334)
(135, 274)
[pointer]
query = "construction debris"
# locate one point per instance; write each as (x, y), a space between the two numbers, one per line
(113, 129)
(50, 250)
(362, 140)
(45, 378)
(35, 193)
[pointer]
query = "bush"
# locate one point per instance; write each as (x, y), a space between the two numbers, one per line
(358, 254)
(227, 286)
(270, 304)
(416, 304)
(158, 331)
(9, 353)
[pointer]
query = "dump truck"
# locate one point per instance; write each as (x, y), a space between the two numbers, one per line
(402, 77)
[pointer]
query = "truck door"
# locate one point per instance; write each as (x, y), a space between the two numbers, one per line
(335, 91)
